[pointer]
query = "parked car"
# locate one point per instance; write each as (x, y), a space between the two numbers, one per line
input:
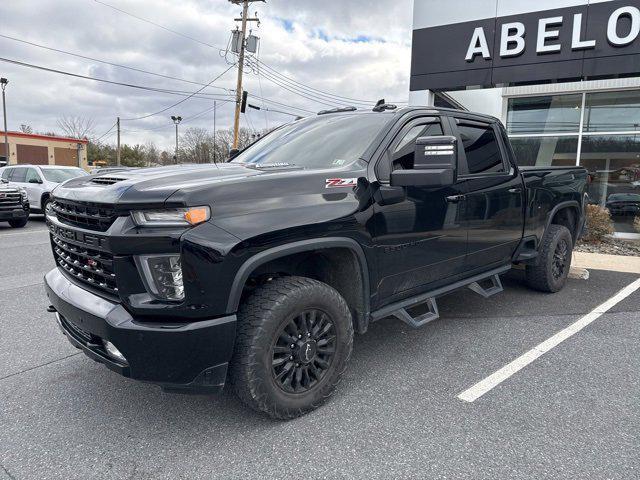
(624, 204)
(14, 205)
(260, 270)
(39, 181)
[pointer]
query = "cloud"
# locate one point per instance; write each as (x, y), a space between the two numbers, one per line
(357, 49)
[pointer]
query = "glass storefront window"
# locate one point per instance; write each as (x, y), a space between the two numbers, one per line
(614, 165)
(548, 114)
(545, 151)
(612, 112)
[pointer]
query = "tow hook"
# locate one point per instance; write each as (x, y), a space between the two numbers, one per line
(51, 309)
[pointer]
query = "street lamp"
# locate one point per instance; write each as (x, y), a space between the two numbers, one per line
(176, 121)
(3, 84)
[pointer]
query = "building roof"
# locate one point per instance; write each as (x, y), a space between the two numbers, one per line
(50, 138)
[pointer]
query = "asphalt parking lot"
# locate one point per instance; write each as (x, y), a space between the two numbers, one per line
(572, 413)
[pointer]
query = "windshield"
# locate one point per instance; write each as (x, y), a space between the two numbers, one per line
(59, 175)
(317, 142)
(624, 197)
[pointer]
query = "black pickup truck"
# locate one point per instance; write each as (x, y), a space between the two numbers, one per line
(259, 271)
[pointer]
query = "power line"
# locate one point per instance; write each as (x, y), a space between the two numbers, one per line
(181, 101)
(159, 26)
(95, 79)
(288, 79)
(106, 133)
(93, 59)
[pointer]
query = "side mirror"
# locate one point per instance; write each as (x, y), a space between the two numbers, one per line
(233, 153)
(435, 164)
(35, 180)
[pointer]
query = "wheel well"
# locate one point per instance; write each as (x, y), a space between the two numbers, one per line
(45, 196)
(568, 217)
(337, 267)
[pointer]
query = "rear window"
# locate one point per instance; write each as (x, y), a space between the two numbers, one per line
(19, 175)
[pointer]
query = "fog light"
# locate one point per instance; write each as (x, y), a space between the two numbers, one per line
(113, 352)
(163, 276)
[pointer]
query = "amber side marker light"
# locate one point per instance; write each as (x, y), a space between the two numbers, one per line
(197, 215)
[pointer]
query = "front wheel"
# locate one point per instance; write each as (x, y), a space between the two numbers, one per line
(19, 223)
(550, 272)
(295, 337)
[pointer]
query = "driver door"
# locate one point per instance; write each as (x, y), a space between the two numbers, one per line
(421, 241)
(33, 186)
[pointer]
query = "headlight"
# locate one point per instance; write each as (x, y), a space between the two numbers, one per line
(171, 218)
(162, 276)
(23, 194)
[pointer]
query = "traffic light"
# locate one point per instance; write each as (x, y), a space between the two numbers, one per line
(243, 106)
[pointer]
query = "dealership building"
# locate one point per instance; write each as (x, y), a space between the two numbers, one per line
(29, 148)
(562, 75)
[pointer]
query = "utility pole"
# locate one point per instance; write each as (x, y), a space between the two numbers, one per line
(118, 147)
(243, 44)
(177, 121)
(215, 106)
(3, 84)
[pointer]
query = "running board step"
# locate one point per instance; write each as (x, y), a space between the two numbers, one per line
(421, 320)
(496, 287)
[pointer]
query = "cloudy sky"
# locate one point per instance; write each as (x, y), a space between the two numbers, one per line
(359, 49)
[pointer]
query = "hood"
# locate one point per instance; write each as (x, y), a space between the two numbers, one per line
(150, 186)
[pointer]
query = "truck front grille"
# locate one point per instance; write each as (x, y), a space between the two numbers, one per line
(89, 216)
(9, 200)
(77, 255)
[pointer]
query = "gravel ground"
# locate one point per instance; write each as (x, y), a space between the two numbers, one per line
(611, 247)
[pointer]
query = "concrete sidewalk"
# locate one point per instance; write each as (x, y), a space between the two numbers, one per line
(613, 263)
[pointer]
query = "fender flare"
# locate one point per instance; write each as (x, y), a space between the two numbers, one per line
(562, 205)
(297, 247)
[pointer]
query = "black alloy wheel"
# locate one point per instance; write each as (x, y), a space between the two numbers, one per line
(560, 256)
(303, 351)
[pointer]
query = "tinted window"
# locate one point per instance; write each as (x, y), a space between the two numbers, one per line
(59, 175)
(6, 173)
(481, 149)
(402, 151)
(329, 141)
(19, 175)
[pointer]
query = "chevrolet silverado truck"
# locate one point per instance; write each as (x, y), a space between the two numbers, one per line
(14, 205)
(258, 271)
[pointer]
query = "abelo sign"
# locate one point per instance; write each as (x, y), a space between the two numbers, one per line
(473, 45)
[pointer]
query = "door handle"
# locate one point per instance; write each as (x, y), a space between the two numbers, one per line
(455, 198)
(515, 190)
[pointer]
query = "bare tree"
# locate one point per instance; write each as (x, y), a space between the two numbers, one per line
(76, 127)
(26, 128)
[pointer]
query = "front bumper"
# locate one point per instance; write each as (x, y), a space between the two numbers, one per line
(190, 357)
(14, 214)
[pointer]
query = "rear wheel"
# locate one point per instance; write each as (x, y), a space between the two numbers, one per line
(554, 262)
(18, 223)
(294, 340)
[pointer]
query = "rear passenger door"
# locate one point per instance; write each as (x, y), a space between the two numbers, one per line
(494, 198)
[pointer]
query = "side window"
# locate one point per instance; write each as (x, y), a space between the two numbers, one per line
(32, 175)
(481, 149)
(19, 175)
(6, 173)
(402, 150)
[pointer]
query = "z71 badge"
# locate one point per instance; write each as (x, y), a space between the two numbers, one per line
(341, 182)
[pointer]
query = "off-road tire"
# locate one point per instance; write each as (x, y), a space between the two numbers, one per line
(18, 223)
(541, 275)
(260, 319)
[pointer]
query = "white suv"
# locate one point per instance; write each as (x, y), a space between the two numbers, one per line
(39, 181)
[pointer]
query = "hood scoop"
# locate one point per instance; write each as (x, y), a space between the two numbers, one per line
(106, 180)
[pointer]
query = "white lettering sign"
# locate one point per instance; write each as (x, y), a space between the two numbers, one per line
(544, 34)
(512, 33)
(478, 45)
(612, 29)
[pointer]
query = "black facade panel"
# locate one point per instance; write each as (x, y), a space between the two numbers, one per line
(438, 58)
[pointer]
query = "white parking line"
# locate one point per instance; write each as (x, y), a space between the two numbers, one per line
(496, 378)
